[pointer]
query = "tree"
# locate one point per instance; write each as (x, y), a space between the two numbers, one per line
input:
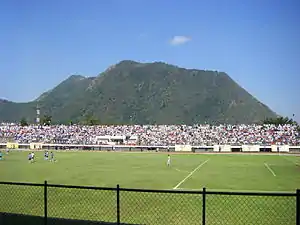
(280, 121)
(23, 122)
(90, 120)
(46, 120)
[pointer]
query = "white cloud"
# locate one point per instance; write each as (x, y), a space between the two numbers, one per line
(179, 40)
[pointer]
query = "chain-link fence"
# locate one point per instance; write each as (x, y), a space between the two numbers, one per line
(81, 204)
(160, 207)
(240, 209)
(48, 204)
(21, 203)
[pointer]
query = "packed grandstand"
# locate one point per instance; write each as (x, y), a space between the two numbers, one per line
(153, 135)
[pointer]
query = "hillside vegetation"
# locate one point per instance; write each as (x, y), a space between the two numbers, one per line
(144, 93)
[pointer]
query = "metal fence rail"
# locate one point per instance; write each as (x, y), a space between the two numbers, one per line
(51, 204)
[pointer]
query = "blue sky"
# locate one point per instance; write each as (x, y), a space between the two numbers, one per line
(256, 42)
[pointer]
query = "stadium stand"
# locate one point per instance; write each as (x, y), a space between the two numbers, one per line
(153, 135)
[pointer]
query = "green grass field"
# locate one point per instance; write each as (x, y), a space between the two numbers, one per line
(232, 172)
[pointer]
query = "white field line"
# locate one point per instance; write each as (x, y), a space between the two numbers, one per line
(191, 173)
(136, 167)
(182, 170)
(233, 190)
(287, 159)
(270, 169)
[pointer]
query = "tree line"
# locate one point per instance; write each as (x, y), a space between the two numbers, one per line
(280, 120)
(46, 120)
(91, 120)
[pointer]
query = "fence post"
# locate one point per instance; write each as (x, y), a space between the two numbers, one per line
(118, 204)
(203, 205)
(45, 203)
(298, 207)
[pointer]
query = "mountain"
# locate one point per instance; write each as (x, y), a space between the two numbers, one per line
(145, 93)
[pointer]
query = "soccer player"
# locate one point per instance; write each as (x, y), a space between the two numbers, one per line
(46, 155)
(32, 156)
(51, 157)
(0, 155)
(169, 161)
(29, 157)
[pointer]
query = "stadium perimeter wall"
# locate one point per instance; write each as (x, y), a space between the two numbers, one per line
(176, 148)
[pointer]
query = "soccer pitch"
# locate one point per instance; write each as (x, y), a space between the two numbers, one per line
(149, 170)
(220, 172)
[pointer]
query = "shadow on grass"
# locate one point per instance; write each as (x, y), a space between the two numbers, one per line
(14, 219)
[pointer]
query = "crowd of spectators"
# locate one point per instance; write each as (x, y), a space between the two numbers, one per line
(155, 135)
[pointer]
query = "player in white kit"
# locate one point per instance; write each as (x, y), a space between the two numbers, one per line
(169, 161)
(32, 156)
